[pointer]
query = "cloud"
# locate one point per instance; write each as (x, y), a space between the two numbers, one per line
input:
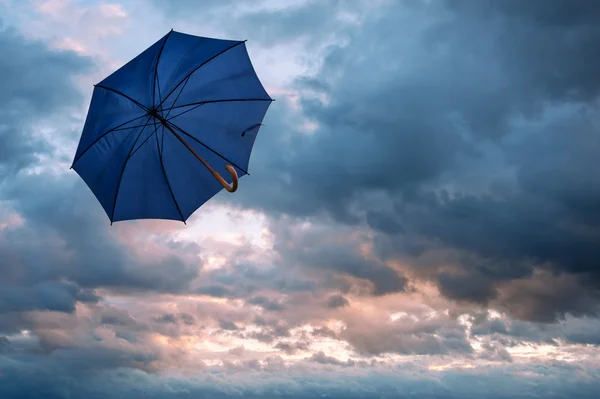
(59, 255)
(264, 303)
(229, 326)
(470, 287)
(405, 335)
(324, 332)
(269, 22)
(303, 381)
(52, 296)
(73, 241)
(31, 93)
(327, 249)
(427, 201)
(292, 348)
(4, 344)
(501, 330)
(320, 357)
(459, 137)
(170, 318)
(337, 301)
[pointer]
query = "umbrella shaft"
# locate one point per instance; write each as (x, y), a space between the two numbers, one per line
(185, 143)
(217, 176)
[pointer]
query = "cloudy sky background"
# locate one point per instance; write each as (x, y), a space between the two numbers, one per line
(422, 216)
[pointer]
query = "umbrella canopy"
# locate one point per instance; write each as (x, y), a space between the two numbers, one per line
(159, 128)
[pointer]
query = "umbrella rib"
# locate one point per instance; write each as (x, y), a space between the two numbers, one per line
(250, 128)
(156, 69)
(196, 68)
(143, 142)
(123, 171)
(118, 127)
(125, 96)
(177, 98)
(199, 103)
(234, 176)
(186, 111)
(175, 68)
(205, 146)
(162, 166)
(124, 141)
(130, 127)
(162, 139)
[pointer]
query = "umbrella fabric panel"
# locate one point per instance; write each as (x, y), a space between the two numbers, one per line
(136, 78)
(145, 190)
(108, 112)
(229, 128)
(101, 166)
(229, 76)
(191, 182)
(183, 55)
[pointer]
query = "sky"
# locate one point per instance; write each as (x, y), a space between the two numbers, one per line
(421, 217)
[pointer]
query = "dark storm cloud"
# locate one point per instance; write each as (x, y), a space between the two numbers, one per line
(245, 279)
(385, 279)
(406, 127)
(4, 344)
(182, 8)
(217, 291)
(268, 26)
(171, 318)
(505, 332)
(292, 348)
(228, 326)
(276, 26)
(382, 222)
(46, 295)
(337, 301)
(468, 287)
(117, 317)
(36, 83)
(270, 330)
(321, 357)
(317, 250)
(475, 129)
(547, 297)
(324, 332)
(58, 250)
(265, 303)
(67, 211)
(54, 378)
(549, 49)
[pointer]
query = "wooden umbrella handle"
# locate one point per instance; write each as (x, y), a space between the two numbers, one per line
(234, 176)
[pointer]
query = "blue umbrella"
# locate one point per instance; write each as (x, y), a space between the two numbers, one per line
(160, 127)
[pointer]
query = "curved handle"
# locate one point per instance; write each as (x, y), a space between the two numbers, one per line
(234, 178)
(234, 175)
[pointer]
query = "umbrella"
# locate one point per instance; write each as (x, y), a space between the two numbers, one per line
(159, 128)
